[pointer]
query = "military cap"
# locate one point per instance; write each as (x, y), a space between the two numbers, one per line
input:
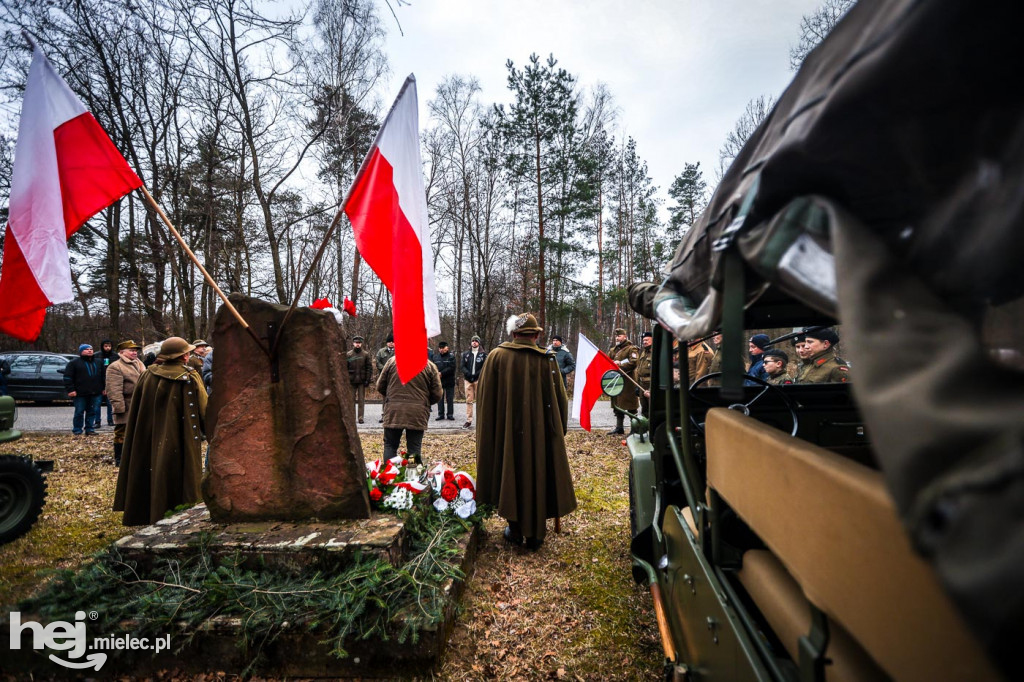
(524, 323)
(357, 338)
(822, 334)
(619, 331)
(199, 342)
(799, 338)
(647, 335)
(390, 339)
(773, 353)
(125, 345)
(174, 347)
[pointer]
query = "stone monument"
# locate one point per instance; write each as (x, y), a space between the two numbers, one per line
(283, 443)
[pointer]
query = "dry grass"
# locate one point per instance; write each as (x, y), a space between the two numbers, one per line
(569, 611)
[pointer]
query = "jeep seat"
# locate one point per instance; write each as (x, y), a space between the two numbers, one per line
(830, 522)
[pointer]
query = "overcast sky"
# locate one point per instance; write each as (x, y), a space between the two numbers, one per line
(681, 71)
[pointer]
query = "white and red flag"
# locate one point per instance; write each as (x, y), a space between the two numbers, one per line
(66, 170)
(591, 364)
(387, 206)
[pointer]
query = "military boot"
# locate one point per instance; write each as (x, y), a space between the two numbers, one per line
(618, 430)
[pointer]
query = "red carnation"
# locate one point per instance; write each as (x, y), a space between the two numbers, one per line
(405, 462)
(448, 476)
(449, 492)
(376, 494)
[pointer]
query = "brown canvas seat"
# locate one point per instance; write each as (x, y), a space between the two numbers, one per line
(832, 525)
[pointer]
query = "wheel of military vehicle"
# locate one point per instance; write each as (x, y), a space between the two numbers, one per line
(22, 494)
(744, 407)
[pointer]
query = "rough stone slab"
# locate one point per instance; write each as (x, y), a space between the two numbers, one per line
(285, 449)
(292, 546)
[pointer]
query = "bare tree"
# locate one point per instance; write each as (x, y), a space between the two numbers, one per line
(815, 26)
(755, 112)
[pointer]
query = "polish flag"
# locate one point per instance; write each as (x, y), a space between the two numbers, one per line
(594, 363)
(387, 206)
(66, 170)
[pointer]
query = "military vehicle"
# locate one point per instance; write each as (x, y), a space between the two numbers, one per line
(874, 529)
(22, 481)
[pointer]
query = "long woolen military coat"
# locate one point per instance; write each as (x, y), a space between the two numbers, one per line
(161, 467)
(522, 468)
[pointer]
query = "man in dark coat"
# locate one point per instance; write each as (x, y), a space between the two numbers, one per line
(566, 363)
(625, 355)
(407, 407)
(521, 464)
(472, 363)
(85, 382)
(161, 464)
(445, 361)
(105, 357)
(360, 371)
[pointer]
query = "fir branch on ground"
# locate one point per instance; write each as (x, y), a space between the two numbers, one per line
(369, 599)
(569, 611)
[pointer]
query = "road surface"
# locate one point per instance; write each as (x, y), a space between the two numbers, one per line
(33, 417)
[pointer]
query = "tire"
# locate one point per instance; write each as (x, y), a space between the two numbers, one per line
(22, 494)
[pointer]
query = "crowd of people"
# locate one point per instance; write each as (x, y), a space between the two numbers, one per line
(519, 390)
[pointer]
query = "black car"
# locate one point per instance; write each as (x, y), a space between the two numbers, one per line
(37, 375)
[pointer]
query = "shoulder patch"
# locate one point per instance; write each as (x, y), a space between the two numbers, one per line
(820, 361)
(843, 368)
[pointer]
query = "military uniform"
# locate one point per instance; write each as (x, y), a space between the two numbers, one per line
(643, 377)
(780, 379)
(823, 368)
(700, 359)
(625, 355)
(360, 372)
(383, 355)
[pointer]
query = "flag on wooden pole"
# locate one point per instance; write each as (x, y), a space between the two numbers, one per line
(591, 364)
(66, 170)
(387, 206)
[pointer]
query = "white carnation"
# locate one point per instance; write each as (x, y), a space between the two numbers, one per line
(465, 510)
(466, 494)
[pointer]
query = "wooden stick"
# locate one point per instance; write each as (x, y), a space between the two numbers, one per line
(206, 275)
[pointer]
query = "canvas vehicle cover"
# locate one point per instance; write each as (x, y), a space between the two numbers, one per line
(886, 190)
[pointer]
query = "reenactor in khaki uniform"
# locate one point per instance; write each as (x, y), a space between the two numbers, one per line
(360, 372)
(775, 367)
(643, 372)
(822, 366)
(699, 358)
(625, 355)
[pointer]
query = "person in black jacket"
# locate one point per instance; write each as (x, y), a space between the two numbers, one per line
(85, 381)
(445, 361)
(472, 363)
(105, 357)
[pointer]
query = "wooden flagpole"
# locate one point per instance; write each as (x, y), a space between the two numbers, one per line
(206, 275)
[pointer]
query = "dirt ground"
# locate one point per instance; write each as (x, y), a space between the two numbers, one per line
(569, 611)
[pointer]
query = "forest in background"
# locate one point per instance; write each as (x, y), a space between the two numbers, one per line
(247, 125)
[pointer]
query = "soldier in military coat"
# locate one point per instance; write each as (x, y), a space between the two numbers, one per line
(360, 372)
(643, 373)
(822, 366)
(625, 355)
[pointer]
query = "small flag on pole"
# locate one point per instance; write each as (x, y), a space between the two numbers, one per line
(387, 206)
(594, 363)
(66, 170)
